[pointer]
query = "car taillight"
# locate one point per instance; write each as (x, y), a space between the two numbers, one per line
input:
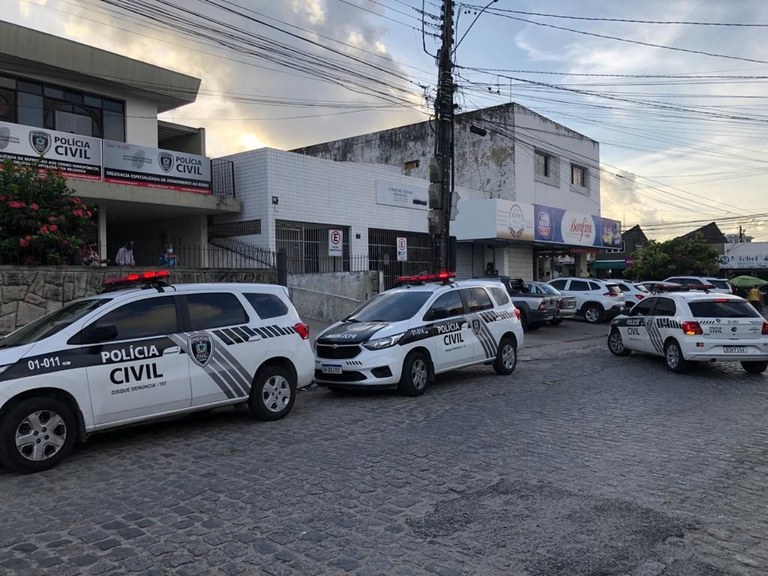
(639, 296)
(302, 330)
(692, 328)
(517, 313)
(765, 329)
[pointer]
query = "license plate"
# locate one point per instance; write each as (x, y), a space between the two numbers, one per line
(735, 349)
(330, 368)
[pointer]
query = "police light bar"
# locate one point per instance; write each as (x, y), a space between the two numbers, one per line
(424, 278)
(135, 278)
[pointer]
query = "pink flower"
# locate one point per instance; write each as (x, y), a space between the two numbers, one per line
(23, 242)
(34, 206)
(53, 227)
(52, 219)
(16, 204)
(44, 229)
(2, 198)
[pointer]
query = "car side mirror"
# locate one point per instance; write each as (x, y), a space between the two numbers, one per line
(101, 333)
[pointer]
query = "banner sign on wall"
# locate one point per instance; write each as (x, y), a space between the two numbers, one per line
(745, 256)
(144, 166)
(71, 155)
(568, 227)
(402, 195)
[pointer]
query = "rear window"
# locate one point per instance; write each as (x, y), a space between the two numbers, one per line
(721, 284)
(723, 309)
(267, 305)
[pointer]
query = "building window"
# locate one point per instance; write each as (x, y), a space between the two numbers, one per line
(55, 108)
(546, 168)
(578, 176)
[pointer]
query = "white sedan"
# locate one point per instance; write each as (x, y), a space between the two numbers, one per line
(699, 326)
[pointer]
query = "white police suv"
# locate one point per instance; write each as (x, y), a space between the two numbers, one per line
(431, 324)
(141, 350)
(693, 326)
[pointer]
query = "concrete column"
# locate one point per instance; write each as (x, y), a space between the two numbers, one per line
(102, 232)
(203, 241)
(581, 265)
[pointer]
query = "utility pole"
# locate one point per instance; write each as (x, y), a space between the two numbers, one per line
(441, 168)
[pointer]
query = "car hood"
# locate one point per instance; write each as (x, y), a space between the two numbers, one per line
(356, 332)
(13, 355)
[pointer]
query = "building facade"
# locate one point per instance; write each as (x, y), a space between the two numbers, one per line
(92, 115)
(529, 187)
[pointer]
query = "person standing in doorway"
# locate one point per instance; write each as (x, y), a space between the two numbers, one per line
(125, 255)
(754, 298)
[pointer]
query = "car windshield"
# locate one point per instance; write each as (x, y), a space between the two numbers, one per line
(390, 307)
(52, 323)
(723, 309)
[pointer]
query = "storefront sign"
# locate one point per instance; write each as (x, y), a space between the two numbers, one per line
(514, 220)
(143, 166)
(745, 256)
(71, 155)
(575, 228)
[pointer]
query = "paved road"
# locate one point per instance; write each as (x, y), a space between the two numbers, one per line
(580, 463)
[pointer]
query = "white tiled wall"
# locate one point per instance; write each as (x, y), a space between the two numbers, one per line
(309, 189)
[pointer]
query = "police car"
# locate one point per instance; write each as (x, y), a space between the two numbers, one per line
(141, 350)
(688, 326)
(403, 337)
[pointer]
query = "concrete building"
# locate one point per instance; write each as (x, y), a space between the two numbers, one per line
(93, 115)
(529, 187)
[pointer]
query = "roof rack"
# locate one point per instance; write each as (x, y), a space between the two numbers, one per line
(148, 279)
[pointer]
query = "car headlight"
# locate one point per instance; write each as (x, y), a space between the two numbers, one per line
(381, 343)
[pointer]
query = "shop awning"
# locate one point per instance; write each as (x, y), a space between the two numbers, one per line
(608, 265)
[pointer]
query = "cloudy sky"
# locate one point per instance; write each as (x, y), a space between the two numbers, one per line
(674, 90)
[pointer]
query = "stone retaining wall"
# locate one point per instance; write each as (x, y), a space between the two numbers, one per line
(28, 293)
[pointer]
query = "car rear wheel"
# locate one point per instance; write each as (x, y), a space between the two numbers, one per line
(506, 357)
(616, 344)
(673, 357)
(755, 367)
(272, 394)
(36, 434)
(593, 313)
(415, 375)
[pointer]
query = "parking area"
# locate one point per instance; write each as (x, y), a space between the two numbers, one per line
(579, 463)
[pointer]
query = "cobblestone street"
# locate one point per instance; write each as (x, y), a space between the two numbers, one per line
(579, 463)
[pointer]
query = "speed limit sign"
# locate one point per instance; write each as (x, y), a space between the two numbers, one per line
(335, 242)
(402, 249)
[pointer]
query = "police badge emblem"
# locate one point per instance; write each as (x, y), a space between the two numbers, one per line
(476, 325)
(201, 349)
(166, 161)
(40, 141)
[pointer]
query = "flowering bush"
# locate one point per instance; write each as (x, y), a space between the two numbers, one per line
(41, 222)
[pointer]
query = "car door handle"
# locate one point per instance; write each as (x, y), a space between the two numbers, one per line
(172, 350)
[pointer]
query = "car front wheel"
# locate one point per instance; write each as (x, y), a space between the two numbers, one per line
(36, 434)
(755, 367)
(616, 344)
(415, 375)
(673, 357)
(593, 313)
(506, 357)
(272, 394)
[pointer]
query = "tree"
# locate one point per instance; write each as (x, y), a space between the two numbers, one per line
(683, 256)
(41, 221)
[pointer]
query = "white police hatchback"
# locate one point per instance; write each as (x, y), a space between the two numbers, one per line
(150, 351)
(697, 326)
(403, 337)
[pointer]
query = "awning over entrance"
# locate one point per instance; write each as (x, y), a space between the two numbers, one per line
(608, 265)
